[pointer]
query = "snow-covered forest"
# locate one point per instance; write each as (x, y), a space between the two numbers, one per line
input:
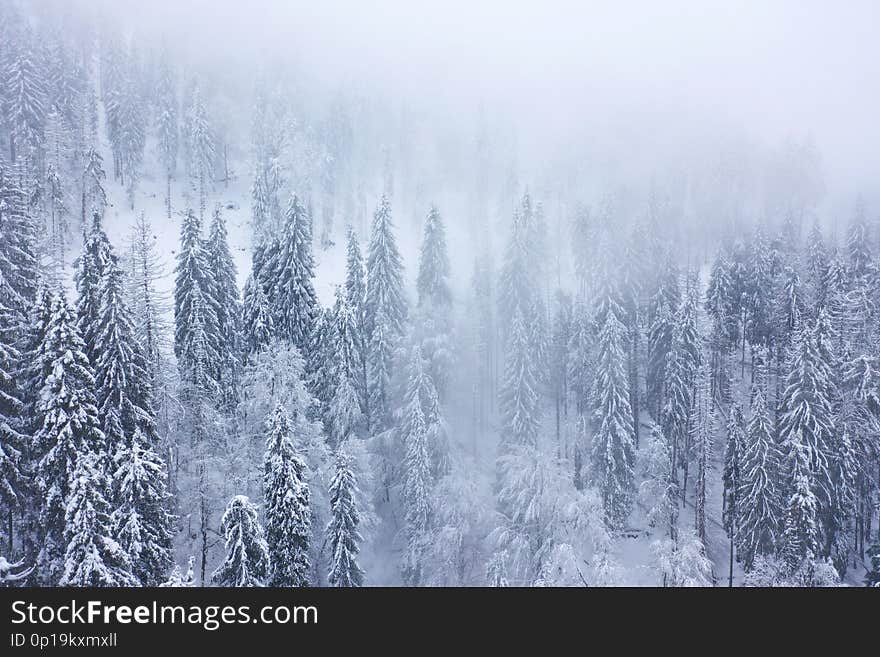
(264, 324)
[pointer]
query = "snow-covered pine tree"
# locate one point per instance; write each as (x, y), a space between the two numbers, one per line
(14, 485)
(731, 479)
(69, 428)
(94, 196)
(342, 531)
(356, 295)
(91, 268)
(344, 406)
(433, 278)
(613, 453)
(858, 244)
(383, 343)
(195, 316)
(286, 492)
(800, 536)
(385, 292)
(257, 325)
(247, 561)
(200, 149)
(807, 409)
(292, 291)
(92, 556)
(660, 343)
(139, 494)
(417, 483)
(759, 501)
(167, 124)
(224, 293)
(702, 430)
(519, 404)
(25, 99)
(130, 135)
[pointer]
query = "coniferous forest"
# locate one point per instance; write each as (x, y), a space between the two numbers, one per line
(264, 327)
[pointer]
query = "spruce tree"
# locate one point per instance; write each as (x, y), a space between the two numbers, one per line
(385, 291)
(225, 297)
(613, 453)
(91, 268)
(166, 123)
(92, 556)
(342, 530)
(417, 485)
(200, 149)
(257, 325)
(356, 294)
(433, 278)
(286, 492)
(70, 427)
(247, 561)
(760, 504)
(292, 292)
(731, 479)
(519, 404)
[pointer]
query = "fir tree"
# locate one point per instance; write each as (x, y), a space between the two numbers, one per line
(91, 268)
(416, 493)
(201, 149)
(258, 326)
(292, 292)
(519, 404)
(731, 479)
(92, 556)
(224, 293)
(433, 279)
(166, 122)
(356, 293)
(758, 494)
(247, 561)
(26, 102)
(385, 292)
(70, 428)
(612, 450)
(286, 491)
(342, 531)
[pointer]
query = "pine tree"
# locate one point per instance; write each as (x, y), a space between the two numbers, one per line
(383, 342)
(519, 404)
(286, 491)
(26, 102)
(660, 343)
(91, 268)
(356, 294)
(92, 557)
(70, 427)
(612, 449)
(293, 294)
(416, 493)
(196, 327)
(247, 560)
(94, 196)
(258, 326)
(731, 479)
(758, 494)
(342, 531)
(702, 430)
(201, 150)
(800, 537)
(166, 122)
(433, 279)
(14, 486)
(224, 293)
(385, 292)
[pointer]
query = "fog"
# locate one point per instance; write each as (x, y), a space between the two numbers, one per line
(659, 76)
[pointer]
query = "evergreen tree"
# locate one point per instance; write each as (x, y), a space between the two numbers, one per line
(356, 294)
(70, 428)
(342, 531)
(195, 316)
(224, 293)
(293, 294)
(385, 291)
(760, 505)
(25, 100)
(519, 404)
(433, 279)
(258, 326)
(247, 562)
(800, 537)
(92, 556)
(416, 493)
(286, 491)
(731, 479)
(91, 268)
(200, 149)
(612, 450)
(166, 123)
